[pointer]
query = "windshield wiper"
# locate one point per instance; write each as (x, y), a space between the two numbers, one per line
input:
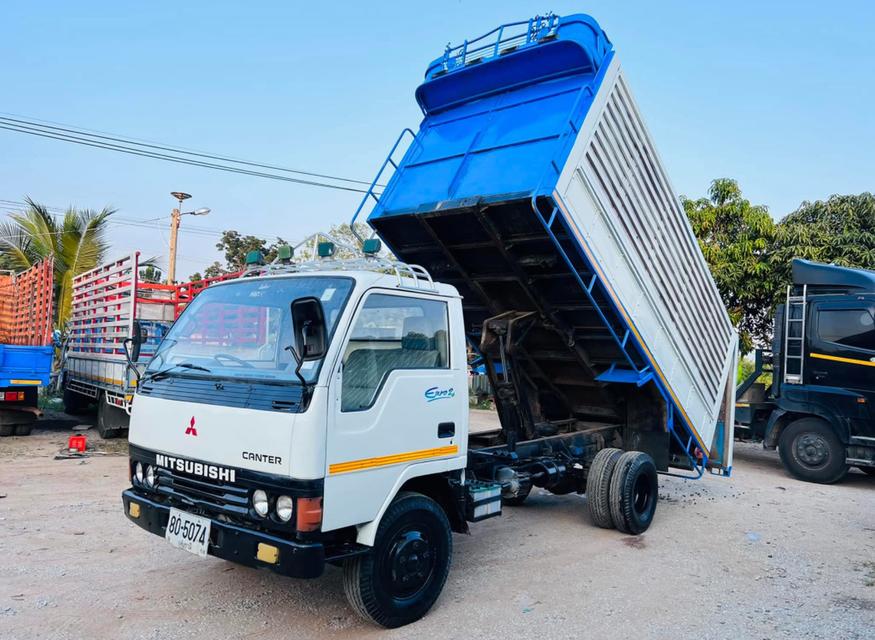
(163, 373)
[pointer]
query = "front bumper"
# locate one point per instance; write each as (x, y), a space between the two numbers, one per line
(235, 543)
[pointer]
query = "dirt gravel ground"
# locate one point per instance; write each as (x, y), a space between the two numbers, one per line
(759, 555)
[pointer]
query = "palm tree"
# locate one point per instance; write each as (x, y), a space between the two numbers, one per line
(77, 242)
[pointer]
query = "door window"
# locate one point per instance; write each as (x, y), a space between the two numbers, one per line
(848, 327)
(391, 332)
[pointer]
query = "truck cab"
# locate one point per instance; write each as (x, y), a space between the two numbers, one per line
(285, 412)
(818, 409)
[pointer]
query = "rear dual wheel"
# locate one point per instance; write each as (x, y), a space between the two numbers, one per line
(112, 421)
(622, 490)
(75, 403)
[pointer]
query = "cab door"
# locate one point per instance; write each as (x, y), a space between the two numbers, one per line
(396, 400)
(842, 356)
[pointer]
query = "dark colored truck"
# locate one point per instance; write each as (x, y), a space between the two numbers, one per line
(818, 408)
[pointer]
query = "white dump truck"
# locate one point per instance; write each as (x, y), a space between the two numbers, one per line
(316, 412)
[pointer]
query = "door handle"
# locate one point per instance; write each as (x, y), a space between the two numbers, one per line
(446, 429)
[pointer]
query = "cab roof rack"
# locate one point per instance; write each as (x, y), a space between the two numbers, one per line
(325, 253)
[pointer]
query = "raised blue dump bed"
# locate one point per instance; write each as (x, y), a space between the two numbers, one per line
(476, 197)
(22, 366)
(501, 114)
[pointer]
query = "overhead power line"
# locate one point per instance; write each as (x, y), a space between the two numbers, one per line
(169, 153)
(21, 207)
(128, 222)
(81, 140)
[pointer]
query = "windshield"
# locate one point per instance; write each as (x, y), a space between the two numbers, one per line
(243, 329)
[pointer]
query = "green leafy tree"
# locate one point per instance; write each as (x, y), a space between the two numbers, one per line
(77, 242)
(236, 247)
(344, 236)
(839, 230)
(150, 273)
(736, 238)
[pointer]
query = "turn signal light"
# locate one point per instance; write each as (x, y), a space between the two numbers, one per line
(309, 514)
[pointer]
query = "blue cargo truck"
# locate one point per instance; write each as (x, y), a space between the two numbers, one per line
(26, 349)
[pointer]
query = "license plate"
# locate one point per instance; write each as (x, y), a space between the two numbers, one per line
(189, 532)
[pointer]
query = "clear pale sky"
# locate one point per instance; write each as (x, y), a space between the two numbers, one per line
(779, 95)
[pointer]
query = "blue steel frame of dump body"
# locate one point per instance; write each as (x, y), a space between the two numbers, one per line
(538, 31)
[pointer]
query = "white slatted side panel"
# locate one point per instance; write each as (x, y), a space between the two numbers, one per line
(622, 166)
(618, 195)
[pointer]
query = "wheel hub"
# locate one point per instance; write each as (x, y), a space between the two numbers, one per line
(643, 495)
(812, 450)
(410, 562)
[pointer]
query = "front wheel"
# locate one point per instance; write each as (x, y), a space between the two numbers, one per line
(811, 451)
(403, 575)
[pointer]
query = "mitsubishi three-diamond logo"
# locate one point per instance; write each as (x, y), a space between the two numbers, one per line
(191, 431)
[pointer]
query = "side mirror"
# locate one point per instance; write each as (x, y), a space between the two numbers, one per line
(137, 339)
(308, 322)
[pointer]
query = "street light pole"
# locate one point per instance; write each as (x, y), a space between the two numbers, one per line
(175, 219)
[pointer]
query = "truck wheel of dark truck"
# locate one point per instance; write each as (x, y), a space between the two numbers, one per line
(23, 429)
(634, 492)
(811, 451)
(598, 485)
(7, 430)
(74, 403)
(111, 421)
(403, 575)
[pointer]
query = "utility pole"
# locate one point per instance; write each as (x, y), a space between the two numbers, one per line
(175, 219)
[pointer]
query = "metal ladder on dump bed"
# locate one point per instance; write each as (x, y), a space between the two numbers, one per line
(794, 335)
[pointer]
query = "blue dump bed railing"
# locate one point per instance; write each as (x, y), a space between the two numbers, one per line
(533, 186)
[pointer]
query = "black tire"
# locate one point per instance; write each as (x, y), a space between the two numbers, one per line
(23, 429)
(811, 451)
(598, 485)
(403, 575)
(634, 492)
(869, 471)
(7, 430)
(111, 421)
(74, 403)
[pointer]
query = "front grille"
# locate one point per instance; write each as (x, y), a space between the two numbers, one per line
(209, 495)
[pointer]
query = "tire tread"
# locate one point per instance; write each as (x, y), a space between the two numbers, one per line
(598, 483)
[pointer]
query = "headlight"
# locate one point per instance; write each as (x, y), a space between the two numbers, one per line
(259, 502)
(284, 508)
(150, 476)
(138, 472)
